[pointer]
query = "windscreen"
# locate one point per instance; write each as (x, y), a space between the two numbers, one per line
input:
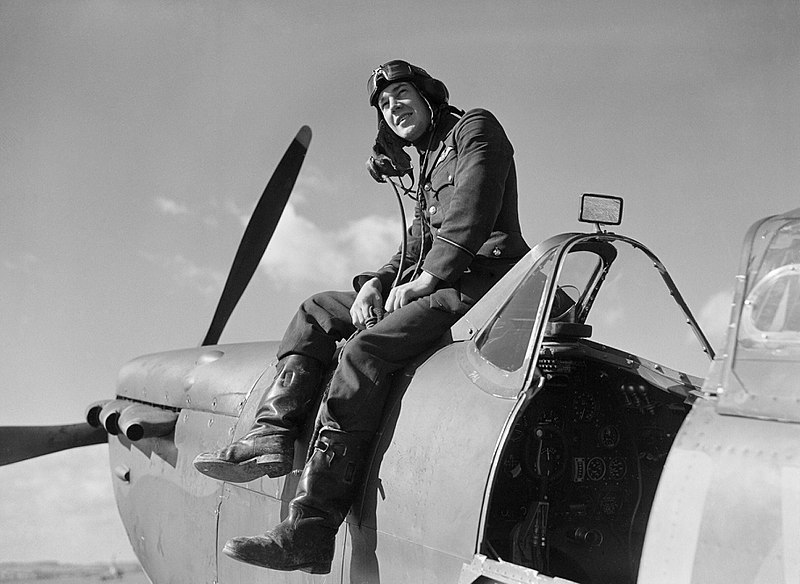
(634, 311)
(504, 343)
(610, 285)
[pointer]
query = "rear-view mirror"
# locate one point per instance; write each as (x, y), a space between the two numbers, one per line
(601, 209)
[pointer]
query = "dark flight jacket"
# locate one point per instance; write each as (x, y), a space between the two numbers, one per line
(470, 201)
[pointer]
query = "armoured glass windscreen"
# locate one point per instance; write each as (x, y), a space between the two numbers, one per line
(634, 311)
(504, 343)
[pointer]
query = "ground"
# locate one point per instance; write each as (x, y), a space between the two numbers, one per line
(55, 573)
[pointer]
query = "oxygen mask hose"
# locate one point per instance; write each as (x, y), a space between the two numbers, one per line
(404, 240)
(376, 315)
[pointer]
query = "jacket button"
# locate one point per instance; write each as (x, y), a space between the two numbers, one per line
(427, 186)
(432, 210)
(449, 178)
(496, 251)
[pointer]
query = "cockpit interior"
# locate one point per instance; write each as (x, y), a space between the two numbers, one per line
(578, 469)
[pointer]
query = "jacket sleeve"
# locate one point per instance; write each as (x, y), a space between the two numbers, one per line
(484, 158)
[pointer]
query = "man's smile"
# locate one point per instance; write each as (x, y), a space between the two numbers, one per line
(404, 110)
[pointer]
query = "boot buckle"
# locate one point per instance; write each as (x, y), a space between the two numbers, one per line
(334, 449)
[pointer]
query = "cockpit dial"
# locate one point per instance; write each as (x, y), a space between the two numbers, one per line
(547, 456)
(595, 469)
(585, 407)
(609, 436)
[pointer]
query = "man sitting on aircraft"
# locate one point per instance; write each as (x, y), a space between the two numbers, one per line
(465, 236)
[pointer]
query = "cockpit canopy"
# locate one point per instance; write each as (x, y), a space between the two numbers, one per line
(602, 286)
(760, 375)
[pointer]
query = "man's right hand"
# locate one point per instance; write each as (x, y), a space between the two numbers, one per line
(368, 302)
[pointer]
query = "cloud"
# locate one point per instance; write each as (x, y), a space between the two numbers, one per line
(301, 252)
(170, 207)
(313, 184)
(26, 263)
(714, 317)
(185, 272)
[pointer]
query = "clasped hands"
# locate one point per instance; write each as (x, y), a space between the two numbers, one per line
(369, 299)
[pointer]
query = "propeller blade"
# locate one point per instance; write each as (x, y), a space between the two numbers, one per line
(259, 231)
(23, 442)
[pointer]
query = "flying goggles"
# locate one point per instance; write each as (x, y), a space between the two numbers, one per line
(392, 72)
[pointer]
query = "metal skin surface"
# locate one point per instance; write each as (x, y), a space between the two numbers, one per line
(171, 511)
(392, 535)
(439, 440)
(252, 509)
(168, 509)
(728, 504)
(209, 379)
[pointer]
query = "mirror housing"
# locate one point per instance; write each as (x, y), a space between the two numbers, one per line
(601, 209)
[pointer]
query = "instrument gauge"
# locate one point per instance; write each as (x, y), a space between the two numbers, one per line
(584, 407)
(550, 462)
(549, 417)
(595, 469)
(610, 501)
(609, 436)
(617, 468)
(545, 455)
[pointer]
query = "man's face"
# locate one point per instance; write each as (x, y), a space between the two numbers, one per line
(404, 110)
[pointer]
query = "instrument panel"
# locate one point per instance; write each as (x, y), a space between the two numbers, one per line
(579, 471)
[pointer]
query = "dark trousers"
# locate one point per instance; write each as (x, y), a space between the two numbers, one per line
(359, 386)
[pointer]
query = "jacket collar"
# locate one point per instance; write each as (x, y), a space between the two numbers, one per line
(444, 125)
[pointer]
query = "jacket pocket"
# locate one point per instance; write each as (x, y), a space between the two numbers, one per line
(443, 174)
(439, 190)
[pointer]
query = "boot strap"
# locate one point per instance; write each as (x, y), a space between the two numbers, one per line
(340, 450)
(334, 449)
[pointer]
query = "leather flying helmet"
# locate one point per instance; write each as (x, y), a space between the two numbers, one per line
(393, 71)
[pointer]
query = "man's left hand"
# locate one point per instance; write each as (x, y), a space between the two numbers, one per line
(423, 285)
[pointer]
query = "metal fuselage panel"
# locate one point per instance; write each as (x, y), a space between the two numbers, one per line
(419, 517)
(213, 379)
(728, 504)
(417, 520)
(169, 510)
(248, 511)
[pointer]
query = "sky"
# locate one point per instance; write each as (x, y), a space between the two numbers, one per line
(136, 138)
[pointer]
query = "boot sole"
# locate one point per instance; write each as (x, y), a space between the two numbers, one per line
(242, 472)
(324, 568)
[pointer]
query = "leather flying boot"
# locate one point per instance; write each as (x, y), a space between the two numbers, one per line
(306, 539)
(268, 448)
